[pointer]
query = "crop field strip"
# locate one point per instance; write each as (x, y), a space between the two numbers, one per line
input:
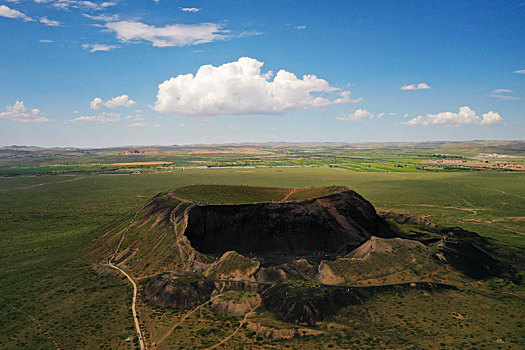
(373, 157)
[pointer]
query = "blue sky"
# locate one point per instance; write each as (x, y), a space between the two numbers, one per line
(105, 73)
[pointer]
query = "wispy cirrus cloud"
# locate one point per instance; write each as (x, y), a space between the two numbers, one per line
(79, 4)
(503, 94)
(8, 12)
(190, 9)
(138, 125)
(99, 47)
(102, 17)
(102, 118)
(520, 71)
(248, 33)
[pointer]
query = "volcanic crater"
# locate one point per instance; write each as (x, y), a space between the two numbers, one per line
(305, 253)
(276, 232)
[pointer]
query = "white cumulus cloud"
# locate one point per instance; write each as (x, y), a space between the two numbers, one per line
(420, 86)
(490, 118)
(361, 114)
(169, 35)
(356, 116)
(240, 88)
(119, 101)
(7, 12)
(465, 116)
(20, 113)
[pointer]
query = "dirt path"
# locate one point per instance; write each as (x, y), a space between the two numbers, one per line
(37, 323)
(168, 333)
(183, 250)
(492, 224)
(174, 196)
(41, 184)
(289, 194)
(125, 232)
(236, 329)
(495, 189)
(135, 289)
(474, 211)
(133, 304)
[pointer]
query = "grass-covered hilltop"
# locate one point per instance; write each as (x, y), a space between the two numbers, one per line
(282, 265)
(287, 246)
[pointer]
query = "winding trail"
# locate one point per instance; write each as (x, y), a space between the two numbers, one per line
(41, 184)
(37, 323)
(495, 189)
(135, 289)
(236, 329)
(474, 211)
(133, 304)
(289, 194)
(167, 334)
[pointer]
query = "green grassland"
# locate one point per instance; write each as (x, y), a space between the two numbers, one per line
(412, 319)
(217, 194)
(50, 297)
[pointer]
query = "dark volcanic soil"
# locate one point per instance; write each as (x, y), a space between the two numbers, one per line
(327, 226)
(291, 303)
(309, 305)
(163, 291)
(464, 250)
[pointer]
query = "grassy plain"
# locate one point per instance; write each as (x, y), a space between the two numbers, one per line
(218, 194)
(49, 298)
